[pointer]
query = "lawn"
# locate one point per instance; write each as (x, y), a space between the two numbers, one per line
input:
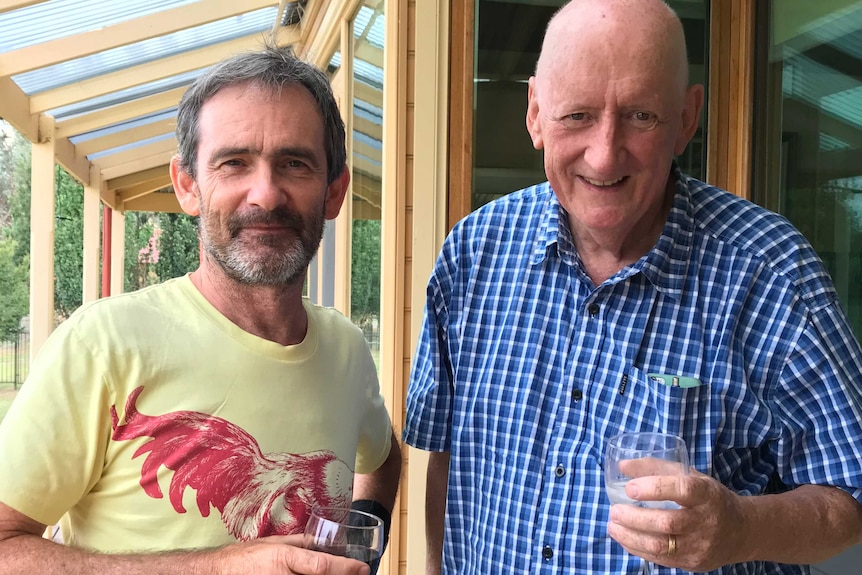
(7, 394)
(8, 369)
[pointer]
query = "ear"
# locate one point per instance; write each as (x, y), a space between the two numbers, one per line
(185, 188)
(534, 125)
(690, 117)
(335, 193)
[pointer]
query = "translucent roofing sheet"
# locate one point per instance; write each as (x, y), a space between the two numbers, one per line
(145, 51)
(122, 126)
(60, 18)
(810, 81)
(373, 34)
(126, 95)
(130, 146)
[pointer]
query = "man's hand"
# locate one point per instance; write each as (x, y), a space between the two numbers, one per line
(706, 533)
(282, 556)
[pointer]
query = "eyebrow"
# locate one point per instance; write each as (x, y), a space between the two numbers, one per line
(302, 152)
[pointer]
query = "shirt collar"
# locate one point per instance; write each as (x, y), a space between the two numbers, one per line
(664, 265)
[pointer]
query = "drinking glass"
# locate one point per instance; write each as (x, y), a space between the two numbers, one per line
(640, 454)
(345, 532)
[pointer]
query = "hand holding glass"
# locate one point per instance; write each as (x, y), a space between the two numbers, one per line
(640, 454)
(347, 533)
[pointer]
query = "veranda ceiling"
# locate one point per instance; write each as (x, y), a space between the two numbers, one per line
(108, 74)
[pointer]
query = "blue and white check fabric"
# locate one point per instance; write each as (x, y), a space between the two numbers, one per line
(524, 369)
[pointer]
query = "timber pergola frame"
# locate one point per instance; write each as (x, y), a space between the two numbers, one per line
(97, 94)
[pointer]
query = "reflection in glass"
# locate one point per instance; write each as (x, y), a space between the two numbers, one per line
(368, 30)
(508, 39)
(808, 147)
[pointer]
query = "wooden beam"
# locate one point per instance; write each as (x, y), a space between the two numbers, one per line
(368, 53)
(9, 5)
(123, 137)
(157, 202)
(168, 145)
(156, 160)
(15, 109)
(120, 113)
(73, 162)
(325, 39)
(461, 91)
(366, 93)
(124, 33)
(121, 182)
(731, 95)
(142, 189)
(141, 74)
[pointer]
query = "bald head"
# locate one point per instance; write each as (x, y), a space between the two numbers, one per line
(646, 31)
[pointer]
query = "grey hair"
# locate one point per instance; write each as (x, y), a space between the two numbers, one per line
(273, 67)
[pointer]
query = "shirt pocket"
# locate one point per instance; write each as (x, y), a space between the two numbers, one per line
(641, 403)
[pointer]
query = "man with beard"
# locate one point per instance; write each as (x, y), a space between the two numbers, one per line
(225, 390)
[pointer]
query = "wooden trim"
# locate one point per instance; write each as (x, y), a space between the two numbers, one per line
(462, 23)
(393, 247)
(430, 177)
(344, 222)
(731, 95)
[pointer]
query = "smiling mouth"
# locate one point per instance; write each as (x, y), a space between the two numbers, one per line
(603, 183)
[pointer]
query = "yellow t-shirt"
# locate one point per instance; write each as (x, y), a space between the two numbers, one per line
(151, 422)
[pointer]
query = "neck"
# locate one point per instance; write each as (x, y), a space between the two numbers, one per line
(605, 253)
(274, 313)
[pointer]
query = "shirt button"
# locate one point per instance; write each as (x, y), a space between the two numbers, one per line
(593, 309)
(577, 395)
(547, 552)
(559, 471)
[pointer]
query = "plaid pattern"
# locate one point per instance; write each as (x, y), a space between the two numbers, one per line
(524, 368)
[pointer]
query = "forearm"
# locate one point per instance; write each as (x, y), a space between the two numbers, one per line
(26, 554)
(816, 522)
(435, 510)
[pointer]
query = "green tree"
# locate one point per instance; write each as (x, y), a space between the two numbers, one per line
(68, 243)
(365, 263)
(14, 289)
(178, 245)
(19, 201)
(139, 230)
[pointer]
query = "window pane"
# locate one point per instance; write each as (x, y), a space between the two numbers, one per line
(368, 30)
(508, 39)
(809, 136)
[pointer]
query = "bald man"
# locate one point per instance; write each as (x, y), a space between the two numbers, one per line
(623, 295)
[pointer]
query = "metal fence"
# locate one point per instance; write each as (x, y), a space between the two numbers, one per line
(15, 358)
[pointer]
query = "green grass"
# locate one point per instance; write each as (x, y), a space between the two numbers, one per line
(7, 394)
(7, 369)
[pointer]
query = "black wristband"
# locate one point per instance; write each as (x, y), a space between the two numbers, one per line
(370, 506)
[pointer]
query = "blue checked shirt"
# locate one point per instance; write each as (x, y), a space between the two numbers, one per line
(524, 368)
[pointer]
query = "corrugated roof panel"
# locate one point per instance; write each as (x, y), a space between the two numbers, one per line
(131, 146)
(842, 29)
(127, 125)
(846, 105)
(375, 34)
(146, 51)
(60, 18)
(127, 95)
(810, 81)
(829, 143)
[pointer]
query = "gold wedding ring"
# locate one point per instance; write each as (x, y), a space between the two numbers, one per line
(671, 545)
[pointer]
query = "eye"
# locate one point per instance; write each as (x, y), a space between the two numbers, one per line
(578, 116)
(643, 120)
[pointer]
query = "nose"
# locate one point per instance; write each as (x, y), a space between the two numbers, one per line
(264, 188)
(606, 149)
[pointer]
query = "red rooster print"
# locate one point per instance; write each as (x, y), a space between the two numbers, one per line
(256, 494)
